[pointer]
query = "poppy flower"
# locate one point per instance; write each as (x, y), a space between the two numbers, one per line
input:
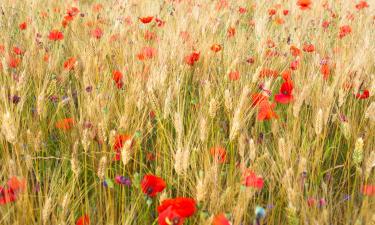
(146, 20)
(17, 51)
(159, 22)
(70, 63)
(174, 211)
(192, 58)
(344, 30)
(266, 111)
(65, 124)
(257, 98)
(10, 194)
(242, 10)
(14, 62)
(120, 140)
(220, 219)
(149, 35)
(55, 35)
(250, 60)
(325, 70)
(285, 96)
(216, 48)
(83, 220)
(286, 75)
(219, 153)
(231, 31)
(325, 24)
(285, 12)
(363, 94)
(304, 4)
(272, 12)
(73, 11)
(123, 180)
(234, 75)
(146, 53)
(294, 65)
(151, 185)
(117, 77)
(252, 180)
(361, 5)
(23, 26)
(295, 51)
(268, 73)
(97, 33)
(308, 48)
(368, 190)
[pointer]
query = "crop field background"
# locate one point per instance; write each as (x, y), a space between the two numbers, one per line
(171, 112)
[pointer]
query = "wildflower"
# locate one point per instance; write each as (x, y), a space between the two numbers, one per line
(234, 75)
(83, 220)
(295, 51)
(192, 58)
(14, 62)
(119, 143)
(146, 53)
(285, 96)
(308, 48)
(361, 5)
(252, 180)
(242, 10)
(325, 70)
(257, 98)
(325, 24)
(23, 26)
(266, 111)
(344, 30)
(175, 211)
(231, 31)
(285, 12)
(220, 219)
(304, 4)
(17, 50)
(146, 20)
(216, 48)
(151, 185)
(117, 77)
(65, 124)
(97, 33)
(14, 187)
(368, 190)
(70, 63)
(122, 180)
(219, 153)
(56, 35)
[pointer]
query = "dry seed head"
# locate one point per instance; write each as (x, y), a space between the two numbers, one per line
(29, 162)
(319, 122)
(185, 159)
(201, 190)
(47, 208)
(12, 167)
(252, 150)
(370, 112)
(167, 103)
(212, 108)
(178, 159)
(126, 153)
(102, 167)
(227, 100)
(8, 128)
(358, 152)
(283, 150)
(345, 128)
(203, 129)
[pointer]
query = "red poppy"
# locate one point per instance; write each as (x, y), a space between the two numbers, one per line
(231, 31)
(55, 35)
(308, 48)
(368, 190)
(285, 96)
(285, 12)
(219, 153)
(266, 111)
(361, 5)
(325, 24)
(146, 53)
(83, 220)
(180, 208)
(257, 98)
(234, 75)
(23, 26)
(97, 33)
(192, 58)
(216, 48)
(272, 12)
(268, 73)
(294, 65)
(252, 180)
(220, 219)
(286, 75)
(73, 11)
(242, 10)
(344, 30)
(325, 70)
(70, 63)
(14, 62)
(149, 35)
(169, 216)
(17, 51)
(146, 20)
(151, 185)
(295, 51)
(65, 124)
(250, 60)
(363, 94)
(120, 140)
(117, 77)
(304, 4)
(10, 194)
(159, 22)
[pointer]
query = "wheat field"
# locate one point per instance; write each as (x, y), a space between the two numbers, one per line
(171, 112)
